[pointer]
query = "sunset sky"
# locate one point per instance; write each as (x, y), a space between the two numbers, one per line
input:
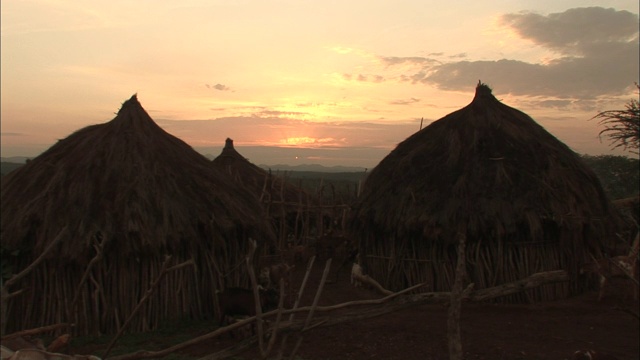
(340, 82)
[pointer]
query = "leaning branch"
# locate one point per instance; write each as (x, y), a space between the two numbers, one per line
(4, 290)
(31, 332)
(37, 261)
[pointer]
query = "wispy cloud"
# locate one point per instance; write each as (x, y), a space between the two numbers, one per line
(277, 113)
(580, 105)
(253, 109)
(405, 101)
(219, 87)
(411, 60)
(313, 142)
(12, 134)
(364, 78)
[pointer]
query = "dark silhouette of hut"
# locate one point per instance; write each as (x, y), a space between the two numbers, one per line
(267, 186)
(526, 202)
(133, 193)
(285, 204)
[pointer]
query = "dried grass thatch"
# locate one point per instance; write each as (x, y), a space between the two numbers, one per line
(526, 201)
(140, 193)
(267, 186)
(289, 207)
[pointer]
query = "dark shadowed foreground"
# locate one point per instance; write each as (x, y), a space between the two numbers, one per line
(552, 330)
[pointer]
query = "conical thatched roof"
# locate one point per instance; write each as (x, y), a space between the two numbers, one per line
(259, 181)
(490, 169)
(232, 162)
(126, 180)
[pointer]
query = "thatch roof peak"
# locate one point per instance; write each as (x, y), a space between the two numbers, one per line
(132, 102)
(134, 117)
(230, 158)
(229, 151)
(483, 91)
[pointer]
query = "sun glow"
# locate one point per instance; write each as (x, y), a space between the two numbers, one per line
(305, 109)
(293, 141)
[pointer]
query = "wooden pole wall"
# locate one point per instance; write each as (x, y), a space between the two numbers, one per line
(400, 266)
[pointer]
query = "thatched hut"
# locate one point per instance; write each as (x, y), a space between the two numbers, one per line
(269, 187)
(128, 194)
(525, 201)
(285, 204)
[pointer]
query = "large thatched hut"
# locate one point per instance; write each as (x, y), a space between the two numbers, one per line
(525, 201)
(120, 196)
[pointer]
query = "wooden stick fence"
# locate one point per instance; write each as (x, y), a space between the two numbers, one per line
(487, 265)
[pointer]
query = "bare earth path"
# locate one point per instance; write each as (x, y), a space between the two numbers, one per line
(530, 331)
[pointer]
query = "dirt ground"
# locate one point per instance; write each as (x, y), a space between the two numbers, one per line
(552, 330)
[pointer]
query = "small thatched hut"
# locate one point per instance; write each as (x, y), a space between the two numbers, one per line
(267, 186)
(525, 201)
(285, 204)
(128, 194)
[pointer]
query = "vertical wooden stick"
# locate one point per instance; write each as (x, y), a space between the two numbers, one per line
(256, 293)
(296, 304)
(327, 267)
(4, 291)
(272, 340)
(453, 321)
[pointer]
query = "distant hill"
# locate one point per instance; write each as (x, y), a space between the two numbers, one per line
(11, 163)
(308, 171)
(16, 159)
(7, 167)
(349, 176)
(20, 160)
(338, 182)
(313, 168)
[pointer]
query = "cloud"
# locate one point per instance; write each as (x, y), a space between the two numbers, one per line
(582, 105)
(241, 109)
(219, 87)
(364, 78)
(575, 30)
(418, 77)
(404, 102)
(597, 55)
(313, 142)
(409, 60)
(556, 104)
(276, 113)
(12, 134)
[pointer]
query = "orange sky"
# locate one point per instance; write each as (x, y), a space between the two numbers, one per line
(310, 74)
